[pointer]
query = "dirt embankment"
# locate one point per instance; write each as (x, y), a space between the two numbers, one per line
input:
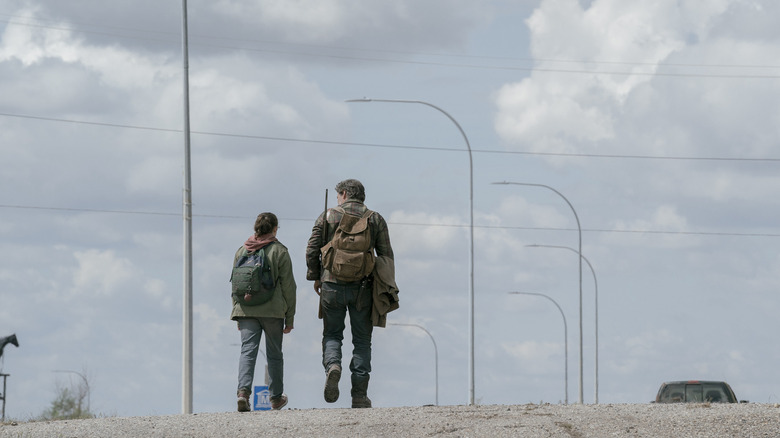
(494, 421)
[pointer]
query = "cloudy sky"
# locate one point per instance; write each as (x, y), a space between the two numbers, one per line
(657, 121)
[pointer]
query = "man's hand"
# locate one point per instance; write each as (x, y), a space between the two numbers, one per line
(318, 287)
(287, 329)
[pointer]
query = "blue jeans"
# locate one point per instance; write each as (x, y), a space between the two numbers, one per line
(251, 330)
(337, 300)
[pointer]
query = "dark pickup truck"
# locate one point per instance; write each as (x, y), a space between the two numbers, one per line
(696, 391)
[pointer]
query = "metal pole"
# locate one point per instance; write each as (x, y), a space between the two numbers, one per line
(565, 342)
(267, 378)
(596, 299)
(579, 229)
(5, 376)
(187, 216)
(435, 351)
(471, 230)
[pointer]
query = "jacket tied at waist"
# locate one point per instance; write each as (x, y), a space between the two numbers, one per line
(385, 291)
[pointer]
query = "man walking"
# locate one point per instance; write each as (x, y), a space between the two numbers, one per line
(341, 269)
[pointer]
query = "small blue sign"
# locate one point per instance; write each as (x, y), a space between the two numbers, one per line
(262, 399)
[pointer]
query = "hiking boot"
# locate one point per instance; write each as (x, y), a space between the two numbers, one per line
(278, 402)
(243, 401)
(361, 402)
(360, 391)
(332, 383)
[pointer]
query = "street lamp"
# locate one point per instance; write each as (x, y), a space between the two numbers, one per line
(596, 284)
(579, 229)
(471, 228)
(187, 238)
(565, 342)
(435, 352)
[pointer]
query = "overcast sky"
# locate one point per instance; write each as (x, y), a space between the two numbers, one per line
(659, 122)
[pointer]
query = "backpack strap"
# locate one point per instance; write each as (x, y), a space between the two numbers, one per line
(348, 222)
(326, 225)
(247, 254)
(367, 214)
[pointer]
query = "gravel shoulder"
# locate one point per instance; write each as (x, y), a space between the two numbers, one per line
(603, 420)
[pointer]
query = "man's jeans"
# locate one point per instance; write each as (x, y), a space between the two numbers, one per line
(251, 330)
(337, 300)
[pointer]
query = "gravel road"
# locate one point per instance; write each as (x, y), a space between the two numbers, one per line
(494, 421)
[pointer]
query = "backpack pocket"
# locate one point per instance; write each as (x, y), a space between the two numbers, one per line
(252, 280)
(352, 266)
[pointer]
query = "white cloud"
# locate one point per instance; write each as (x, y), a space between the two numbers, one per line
(538, 112)
(421, 240)
(154, 172)
(318, 18)
(521, 212)
(647, 349)
(29, 44)
(535, 356)
(389, 24)
(160, 292)
(664, 218)
(559, 112)
(213, 326)
(102, 273)
(234, 91)
(32, 45)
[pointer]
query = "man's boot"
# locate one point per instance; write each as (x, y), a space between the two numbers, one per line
(333, 375)
(360, 392)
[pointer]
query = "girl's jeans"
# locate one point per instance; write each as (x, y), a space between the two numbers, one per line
(251, 330)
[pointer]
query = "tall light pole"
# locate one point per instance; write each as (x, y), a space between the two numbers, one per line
(579, 229)
(471, 229)
(187, 216)
(565, 342)
(435, 352)
(596, 300)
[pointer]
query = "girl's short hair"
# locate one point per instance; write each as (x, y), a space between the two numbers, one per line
(265, 223)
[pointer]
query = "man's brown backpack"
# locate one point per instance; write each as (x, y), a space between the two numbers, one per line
(349, 256)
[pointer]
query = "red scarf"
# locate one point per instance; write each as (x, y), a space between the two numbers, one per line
(254, 243)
